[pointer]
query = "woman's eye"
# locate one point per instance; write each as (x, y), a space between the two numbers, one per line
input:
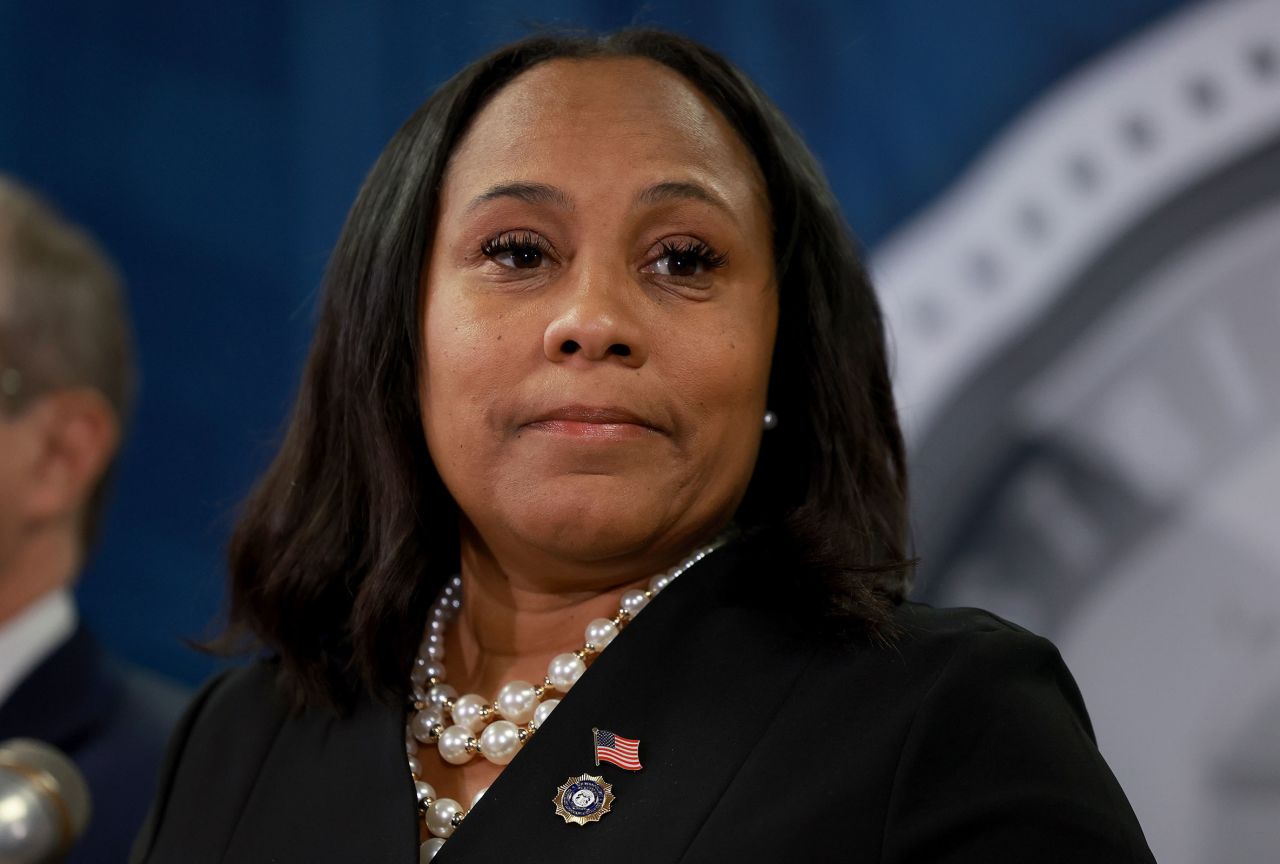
(521, 258)
(693, 259)
(679, 264)
(525, 252)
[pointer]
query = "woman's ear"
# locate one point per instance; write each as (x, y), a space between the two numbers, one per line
(76, 435)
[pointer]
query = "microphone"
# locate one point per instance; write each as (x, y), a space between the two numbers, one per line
(44, 803)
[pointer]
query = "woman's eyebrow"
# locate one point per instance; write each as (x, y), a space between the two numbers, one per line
(658, 193)
(672, 190)
(530, 193)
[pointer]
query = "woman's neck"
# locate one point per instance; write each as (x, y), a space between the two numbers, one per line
(514, 618)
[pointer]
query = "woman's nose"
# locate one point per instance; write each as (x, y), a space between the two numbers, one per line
(594, 324)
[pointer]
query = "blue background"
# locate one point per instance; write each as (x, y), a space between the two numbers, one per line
(214, 148)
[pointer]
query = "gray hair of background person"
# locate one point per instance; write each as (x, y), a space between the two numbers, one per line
(63, 321)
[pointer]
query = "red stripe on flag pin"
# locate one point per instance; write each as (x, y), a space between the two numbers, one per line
(611, 747)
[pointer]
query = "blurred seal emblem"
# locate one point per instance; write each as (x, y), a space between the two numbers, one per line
(583, 799)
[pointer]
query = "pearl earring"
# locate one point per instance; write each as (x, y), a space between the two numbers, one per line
(770, 420)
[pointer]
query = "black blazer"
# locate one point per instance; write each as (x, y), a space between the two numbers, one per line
(112, 720)
(762, 738)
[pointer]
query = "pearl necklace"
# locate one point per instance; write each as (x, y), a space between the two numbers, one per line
(476, 728)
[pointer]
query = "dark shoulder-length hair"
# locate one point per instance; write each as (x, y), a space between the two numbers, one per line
(350, 533)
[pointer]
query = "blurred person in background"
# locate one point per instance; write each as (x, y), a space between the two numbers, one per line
(66, 384)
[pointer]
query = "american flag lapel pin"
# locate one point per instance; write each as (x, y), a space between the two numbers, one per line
(613, 748)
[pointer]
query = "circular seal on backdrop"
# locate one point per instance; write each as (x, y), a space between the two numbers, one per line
(1086, 329)
(582, 799)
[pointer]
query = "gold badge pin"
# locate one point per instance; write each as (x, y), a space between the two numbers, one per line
(583, 799)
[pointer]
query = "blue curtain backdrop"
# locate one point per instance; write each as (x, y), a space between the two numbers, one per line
(214, 148)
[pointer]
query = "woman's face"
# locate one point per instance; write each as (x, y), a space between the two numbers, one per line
(599, 315)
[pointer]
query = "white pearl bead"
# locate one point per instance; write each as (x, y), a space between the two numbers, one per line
(657, 583)
(516, 701)
(422, 669)
(453, 745)
(428, 850)
(440, 815)
(500, 742)
(633, 601)
(440, 694)
(544, 711)
(564, 670)
(467, 711)
(479, 795)
(415, 767)
(422, 722)
(600, 632)
(425, 790)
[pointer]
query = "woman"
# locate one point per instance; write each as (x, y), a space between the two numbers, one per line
(594, 324)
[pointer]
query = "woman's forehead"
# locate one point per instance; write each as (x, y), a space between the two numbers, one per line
(629, 120)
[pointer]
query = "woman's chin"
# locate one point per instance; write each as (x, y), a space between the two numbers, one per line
(598, 537)
(586, 529)
(591, 519)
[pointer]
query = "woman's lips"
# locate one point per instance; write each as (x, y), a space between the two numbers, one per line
(610, 423)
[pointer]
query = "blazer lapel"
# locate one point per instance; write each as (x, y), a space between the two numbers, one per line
(697, 678)
(331, 789)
